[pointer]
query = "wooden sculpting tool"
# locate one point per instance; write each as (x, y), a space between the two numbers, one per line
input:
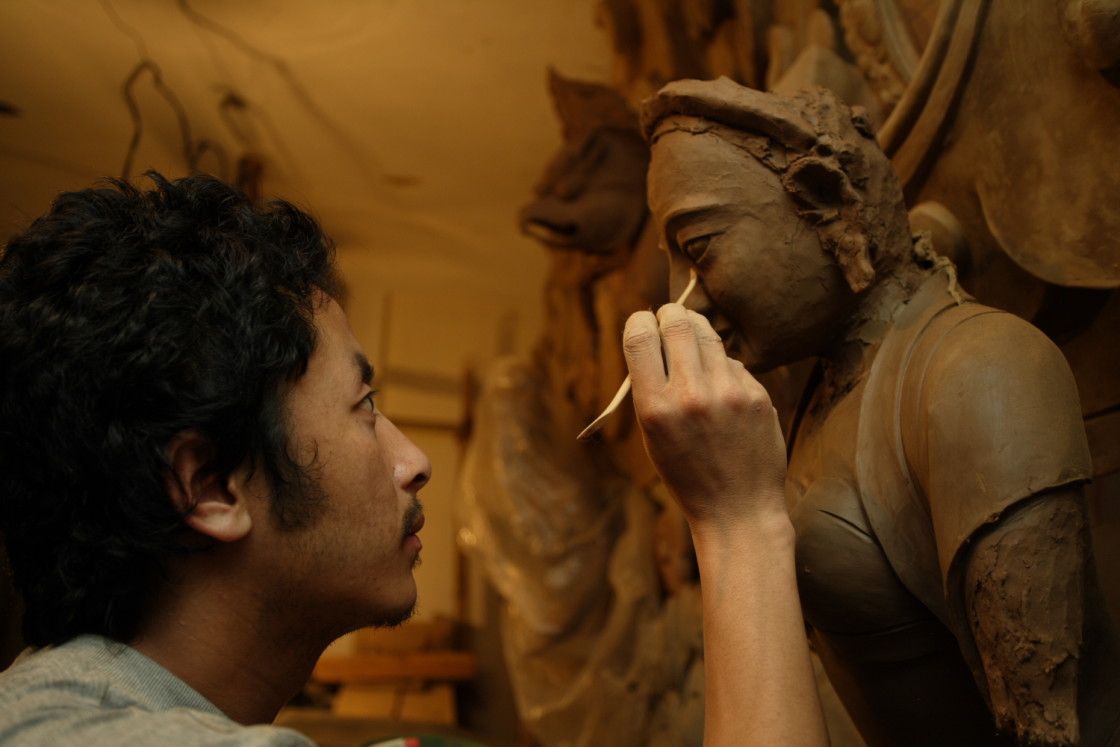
(623, 390)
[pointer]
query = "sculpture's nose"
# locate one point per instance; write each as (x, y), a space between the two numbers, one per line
(680, 278)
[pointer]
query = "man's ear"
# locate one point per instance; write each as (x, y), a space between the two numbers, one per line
(209, 505)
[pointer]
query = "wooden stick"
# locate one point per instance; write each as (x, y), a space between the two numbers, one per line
(623, 390)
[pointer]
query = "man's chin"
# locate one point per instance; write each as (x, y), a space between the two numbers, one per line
(398, 620)
(393, 619)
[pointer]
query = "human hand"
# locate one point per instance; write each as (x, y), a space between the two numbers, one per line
(713, 434)
(709, 426)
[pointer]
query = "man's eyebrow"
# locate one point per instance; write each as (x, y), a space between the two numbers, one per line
(365, 370)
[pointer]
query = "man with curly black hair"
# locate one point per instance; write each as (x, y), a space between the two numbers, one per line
(198, 493)
(191, 463)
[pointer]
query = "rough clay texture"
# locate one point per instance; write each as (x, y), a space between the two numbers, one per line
(1031, 664)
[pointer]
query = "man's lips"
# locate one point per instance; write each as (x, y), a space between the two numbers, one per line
(413, 521)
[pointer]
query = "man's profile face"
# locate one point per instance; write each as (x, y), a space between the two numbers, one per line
(353, 562)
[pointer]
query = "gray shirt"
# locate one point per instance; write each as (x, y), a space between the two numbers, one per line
(96, 692)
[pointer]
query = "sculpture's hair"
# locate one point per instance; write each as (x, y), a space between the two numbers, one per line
(128, 317)
(817, 146)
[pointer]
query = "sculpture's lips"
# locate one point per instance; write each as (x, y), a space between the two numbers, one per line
(731, 341)
(724, 328)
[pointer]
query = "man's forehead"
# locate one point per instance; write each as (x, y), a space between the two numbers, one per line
(336, 346)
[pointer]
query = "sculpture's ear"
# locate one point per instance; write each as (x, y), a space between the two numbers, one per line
(817, 187)
(209, 502)
(826, 199)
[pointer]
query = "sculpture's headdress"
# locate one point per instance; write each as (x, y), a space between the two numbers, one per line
(822, 150)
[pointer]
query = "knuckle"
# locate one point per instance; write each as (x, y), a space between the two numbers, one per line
(693, 405)
(638, 339)
(656, 416)
(676, 327)
(678, 406)
(752, 400)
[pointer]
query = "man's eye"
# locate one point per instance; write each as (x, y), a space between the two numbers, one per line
(367, 402)
(695, 248)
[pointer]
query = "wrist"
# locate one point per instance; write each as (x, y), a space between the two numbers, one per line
(765, 530)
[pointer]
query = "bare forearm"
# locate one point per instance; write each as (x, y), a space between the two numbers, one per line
(713, 435)
(760, 684)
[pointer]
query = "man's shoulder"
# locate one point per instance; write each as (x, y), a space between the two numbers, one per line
(68, 672)
(95, 692)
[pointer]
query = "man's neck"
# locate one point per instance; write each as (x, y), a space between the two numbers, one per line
(217, 639)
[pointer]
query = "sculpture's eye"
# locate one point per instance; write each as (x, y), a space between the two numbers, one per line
(695, 248)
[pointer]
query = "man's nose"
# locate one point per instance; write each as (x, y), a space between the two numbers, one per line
(412, 466)
(418, 466)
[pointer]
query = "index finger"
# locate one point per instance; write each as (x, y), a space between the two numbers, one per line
(641, 345)
(680, 342)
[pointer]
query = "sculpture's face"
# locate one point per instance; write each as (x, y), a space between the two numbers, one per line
(773, 294)
(592, 196)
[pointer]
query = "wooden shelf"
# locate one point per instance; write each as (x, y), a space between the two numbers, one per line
(447, 666)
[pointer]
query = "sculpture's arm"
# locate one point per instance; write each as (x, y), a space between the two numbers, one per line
(1024, 589)
(999, 449)
(713, 434)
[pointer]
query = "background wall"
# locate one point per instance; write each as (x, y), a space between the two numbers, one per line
(413, 128)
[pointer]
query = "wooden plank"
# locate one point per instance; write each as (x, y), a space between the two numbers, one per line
(385, 667)
(428, 704)
(432, 705)
(368, 701)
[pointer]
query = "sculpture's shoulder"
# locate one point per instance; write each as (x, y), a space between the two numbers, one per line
(989, 416)
(967, 411)
(975, 352)
(990, 409)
